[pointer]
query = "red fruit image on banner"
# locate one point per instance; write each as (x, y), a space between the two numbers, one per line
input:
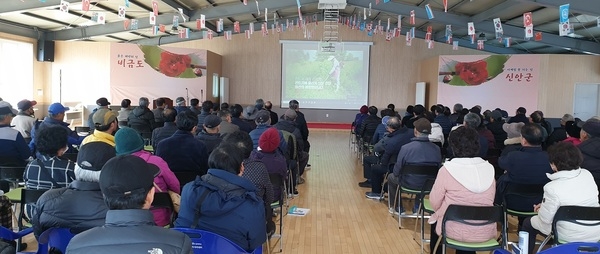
(173, 65)
(473, 73)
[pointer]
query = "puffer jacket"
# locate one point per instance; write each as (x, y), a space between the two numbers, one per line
(231, 208)
(591, 156)
(368, 127)
(55, 208)
(130, 231)
(141, 119)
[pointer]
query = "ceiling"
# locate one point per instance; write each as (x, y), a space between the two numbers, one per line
(43, 19)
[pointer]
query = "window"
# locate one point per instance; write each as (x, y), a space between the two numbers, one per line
(16, 71)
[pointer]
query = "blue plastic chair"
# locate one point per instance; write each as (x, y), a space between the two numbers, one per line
(576, 247)
(10, 235)
(58, 238)
(501, 251)
(204, 242)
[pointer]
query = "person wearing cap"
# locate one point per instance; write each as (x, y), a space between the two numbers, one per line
(168, 128)
(25, 119)
(80, 206)
(126, 182)
(128, 141)
(142, 119)
(236, 118)
(56, 114)
(195, 106)
(210, 132)
(105, 126)
(513, 137)
(158, 112)
(573, 133)
(519, 116)
(207, 107)
(13, 148)
(366, 131)
(263, 122)
(385, 143)
(226, 127)
(420, 151)
(362, 114)
(590, 146)
(297, 163)
(229, 204)
(274, 116)
(495, 126)
(559, 133)
(182, 151)
(267, 154)
(256, 171)
(180, 105)
(380, 131)
(124, 112)
(527, 165)
(102, 103)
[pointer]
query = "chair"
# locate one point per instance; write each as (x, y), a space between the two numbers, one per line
(54, 238)
(13, 175)
(204, 242)
(425, 207)
(28, 197)
(580, 215)
(277, 180)
(85, 129)
(474, 216)
(185, 177)
(573, 248)
(428, 172)
(163, 200)
(532, 193)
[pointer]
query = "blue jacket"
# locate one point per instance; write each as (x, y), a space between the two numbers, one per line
(527, 165)
(180, 109)
(392, 144)
(379, 133)
(244, 126)
(13, 146)
(260, 129)
(73, 138)
(418, 152)
(445, 123)
(184, 153)
(231, 208)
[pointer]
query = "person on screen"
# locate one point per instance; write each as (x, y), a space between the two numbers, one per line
(334, 73)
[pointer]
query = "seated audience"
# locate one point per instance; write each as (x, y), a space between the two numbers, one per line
(456, 112)
(105, 126)
(360, 117)
(225, 105)
(288, 124)
(142, 119)
(207, 107)
(442, 120)
(126, 183)
(520, 116)
(274, 116)
(418, 112)
(13, 149)
(168, 129)
(590, 147)
(80, 206)
(495, 126)
(124, 112)
(366, 131)
(537, 118)
(180, 105)
(569, 185)
(195, 106)
(25, 119)
(102, 103)
(420, 151)
(267, 153)
(559, 133)
(573, 133)
(224, 203)
(466, 179)
(56, 114)
(129, 142)
(236, 114)
(513, 137)
(226, 127)
(210, 133)
(263, 122)
(161, 105)
(182, 151)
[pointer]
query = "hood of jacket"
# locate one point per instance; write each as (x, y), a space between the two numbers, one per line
(591, 147)
(139, 111)
(229, 192)
(286, 125)
(512, 141)
(566, 174)
(475, 174)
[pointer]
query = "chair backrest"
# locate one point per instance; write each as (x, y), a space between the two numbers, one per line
(425, 170)
(581, 215)
(185, 177)
(515, 192)
(573, 248)
(79, 129)
(57, 238)
(163, 200)
(475, 216)
(9, 235)
(28, 196)
(204, 242)
(279, 181)
(12, 173)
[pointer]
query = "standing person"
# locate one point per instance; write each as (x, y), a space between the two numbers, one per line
(126, 183)
(124, 112)
(25, 119)
(102, 103)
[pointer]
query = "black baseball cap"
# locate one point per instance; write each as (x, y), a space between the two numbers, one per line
(92, 156)
(126, 174)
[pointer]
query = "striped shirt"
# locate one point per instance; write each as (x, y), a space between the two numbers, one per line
(59, 169)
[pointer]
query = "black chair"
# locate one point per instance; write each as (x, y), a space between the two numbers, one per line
(185, 177)
(80, 129)
(278, 180)
(163, 200)
(428, 172)
(28, 197)
(424, 207)
(12, 175)
(530, 194)
(580, 215)
(473, 216)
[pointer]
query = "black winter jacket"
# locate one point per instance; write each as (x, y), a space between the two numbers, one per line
(142, 120)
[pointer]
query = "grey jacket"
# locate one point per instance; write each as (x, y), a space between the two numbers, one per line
(130, 231)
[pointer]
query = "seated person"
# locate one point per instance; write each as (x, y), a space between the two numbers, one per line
(570, 185)
(25, 119)
(106, 124)
(464, 180)
(513, 137)
(56, 114)
(130, 142)
(13, 148)
(167, 130)
(142, 119)
(182, 151)
(124, 112)
(126, 183)
(573, 133)
(360, 117)
(210, 132)
(224, 203)
(80, 206)
(367, 128)
(267, 153)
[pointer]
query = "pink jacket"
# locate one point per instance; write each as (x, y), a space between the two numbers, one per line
(463, 181)
(165, 180)
(573, 140)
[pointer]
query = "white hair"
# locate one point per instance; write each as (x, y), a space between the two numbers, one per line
(85, 175)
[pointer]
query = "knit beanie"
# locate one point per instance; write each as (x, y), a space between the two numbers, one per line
(128, 141)
(364, 109)
(269, 140)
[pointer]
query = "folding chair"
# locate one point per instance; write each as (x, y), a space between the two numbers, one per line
(13, 175)
(427, 172)
(474, 216)
(580, 215)
(28, 197)
(424, 207)
(54, 239)
(277, 180)
(204, 242)
(573, 248)
(529, 193)
(163, 200)
(8, 235)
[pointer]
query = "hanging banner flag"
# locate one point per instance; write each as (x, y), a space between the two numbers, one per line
(564, 28)
(455, 45)
(527, 19)
(412, 32)
(228, 35)
(122, 11)
(563, 11)
(364, 13)
(480, 44)
(538, 36)
(498, 28)
(448, 31)
(376, 2)
(210, 34)
(299, 11)
(430, 44)
(64, 6)
(220, 25)
(396, 32)
(263, 29)
(507, 42)
(408, 39)
(266, 15)
(399, 22)
(388, 25)
(127, 3)
(528, 32)
(184, 33)
(175, 22)
(362, 26)
(472, 38)
(155, 7)
(126, 24)
(257, 8)
(247, 32)
(449, 39)
(369, 9)
(236, 27)
(427, 37)
(445, 2)
(134, 24)
(101, 18)
(598, 22)
(152, 19)
(85, 5)
(412, 17)
(251, 27)
(388, 36)
(470, 28)
(429, 12)
(162, 28)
